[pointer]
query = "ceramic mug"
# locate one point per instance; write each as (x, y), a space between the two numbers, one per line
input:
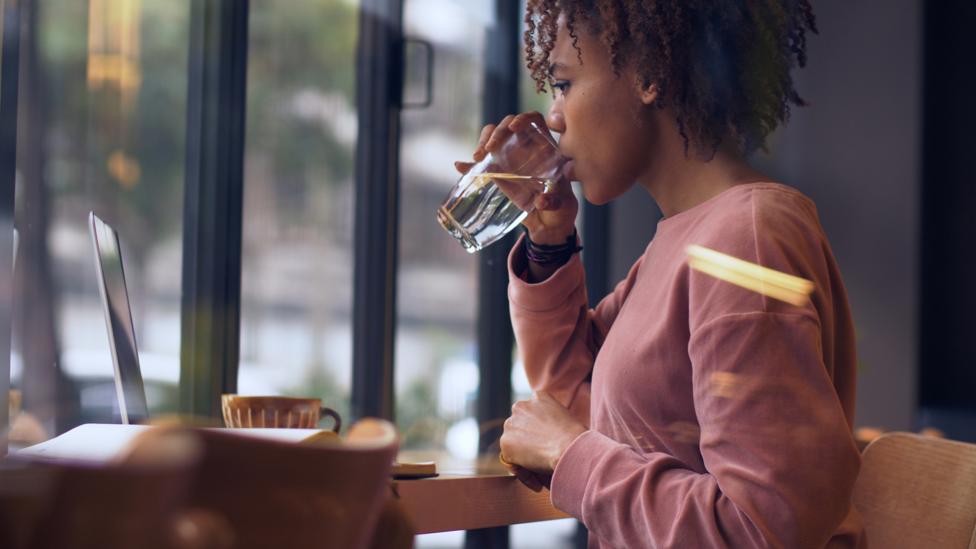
(275, 411)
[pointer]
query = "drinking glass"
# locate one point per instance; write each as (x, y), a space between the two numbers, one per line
(499, 191)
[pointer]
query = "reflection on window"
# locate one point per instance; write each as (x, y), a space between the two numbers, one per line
(296, 296)
(104, 98)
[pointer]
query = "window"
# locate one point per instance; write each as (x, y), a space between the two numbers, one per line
(102, 124)
(296, 295)
(436, 362)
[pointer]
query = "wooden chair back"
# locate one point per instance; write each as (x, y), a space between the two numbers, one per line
(287, 495)
(53, 505)
(916, 491)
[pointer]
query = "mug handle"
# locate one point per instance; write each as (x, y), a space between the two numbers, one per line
(335, 417)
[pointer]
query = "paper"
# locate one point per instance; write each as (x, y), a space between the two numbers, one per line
(102, 442)
(98, 443)
(92, 442)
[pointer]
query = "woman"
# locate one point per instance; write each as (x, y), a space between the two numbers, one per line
(683, 410)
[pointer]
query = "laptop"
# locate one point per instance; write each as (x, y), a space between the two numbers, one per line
(129, 387)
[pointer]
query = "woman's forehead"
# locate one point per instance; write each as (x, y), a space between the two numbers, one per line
(569, 53)
(564, 52)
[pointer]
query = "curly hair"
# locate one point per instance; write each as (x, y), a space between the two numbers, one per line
(723, 66)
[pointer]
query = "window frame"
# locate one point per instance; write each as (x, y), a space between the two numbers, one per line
(210, 309)
(379, 86)
(9, 84)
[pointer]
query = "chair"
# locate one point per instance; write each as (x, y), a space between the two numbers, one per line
(915, 491)
(286, 495)
(114, 506)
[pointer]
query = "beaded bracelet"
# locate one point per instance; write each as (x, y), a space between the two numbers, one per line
(551, 254)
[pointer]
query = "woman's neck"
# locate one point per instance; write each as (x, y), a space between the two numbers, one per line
(678, 182)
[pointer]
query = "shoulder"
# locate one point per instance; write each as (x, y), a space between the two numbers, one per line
(758, 210)
(757, 220)
(768, 224)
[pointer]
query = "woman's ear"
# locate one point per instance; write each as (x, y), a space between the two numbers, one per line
(648, 92)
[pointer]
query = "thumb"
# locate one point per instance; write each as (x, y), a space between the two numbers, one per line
(548, 202)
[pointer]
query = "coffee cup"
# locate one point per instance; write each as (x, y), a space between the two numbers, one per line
(275, 411)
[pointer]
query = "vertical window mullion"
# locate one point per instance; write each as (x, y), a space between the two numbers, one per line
(379, 66)
(495, 338)
(213, 202)
(9, 70)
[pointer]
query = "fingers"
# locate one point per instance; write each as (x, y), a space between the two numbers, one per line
(528, 478)
(525, 119)
(479, 151)
(463, 167)
(485, 134)
(492, 135)
(499, 134)
(518, 405)
(554, 198)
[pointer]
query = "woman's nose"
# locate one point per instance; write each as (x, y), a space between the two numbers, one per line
(555, 119)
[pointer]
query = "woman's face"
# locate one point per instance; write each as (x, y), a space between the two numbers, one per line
(605, 125)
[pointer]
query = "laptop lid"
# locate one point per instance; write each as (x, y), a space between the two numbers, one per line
(118, 318)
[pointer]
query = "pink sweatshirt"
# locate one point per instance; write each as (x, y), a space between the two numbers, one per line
(718, 417)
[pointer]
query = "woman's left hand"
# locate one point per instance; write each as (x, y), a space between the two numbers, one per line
(538, 433)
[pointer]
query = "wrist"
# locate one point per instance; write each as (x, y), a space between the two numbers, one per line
(552, 255)
(565, 443)
(551, 237)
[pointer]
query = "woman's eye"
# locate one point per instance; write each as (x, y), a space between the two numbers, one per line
(562, 86)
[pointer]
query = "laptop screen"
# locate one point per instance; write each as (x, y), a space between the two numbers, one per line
(118, 317)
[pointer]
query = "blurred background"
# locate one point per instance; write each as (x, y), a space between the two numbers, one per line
(102, 115)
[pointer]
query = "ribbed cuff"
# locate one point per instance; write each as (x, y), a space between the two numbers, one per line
(572, 474)
(548, 294)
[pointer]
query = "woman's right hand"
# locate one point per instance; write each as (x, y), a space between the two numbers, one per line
(553, 218)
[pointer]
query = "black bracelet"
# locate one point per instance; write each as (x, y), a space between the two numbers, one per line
(551, 254)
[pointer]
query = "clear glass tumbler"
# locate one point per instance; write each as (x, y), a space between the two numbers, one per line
(498, 192)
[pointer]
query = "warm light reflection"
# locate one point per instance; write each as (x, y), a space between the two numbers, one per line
(124, 169)
(113, 47)
(685, 432)
(115, 77)
(762, 280)
(726, 384)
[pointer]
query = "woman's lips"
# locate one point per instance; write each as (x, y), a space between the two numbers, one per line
(569, 170)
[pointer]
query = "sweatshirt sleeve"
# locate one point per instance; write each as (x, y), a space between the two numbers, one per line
(557, 334)
(780, 461)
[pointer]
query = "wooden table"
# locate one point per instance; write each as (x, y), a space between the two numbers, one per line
(481, 495)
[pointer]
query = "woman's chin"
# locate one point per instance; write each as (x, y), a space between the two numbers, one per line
(594, 196)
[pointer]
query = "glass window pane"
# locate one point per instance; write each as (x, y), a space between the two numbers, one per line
(436, 368)
(296, 297)
(102, 119)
